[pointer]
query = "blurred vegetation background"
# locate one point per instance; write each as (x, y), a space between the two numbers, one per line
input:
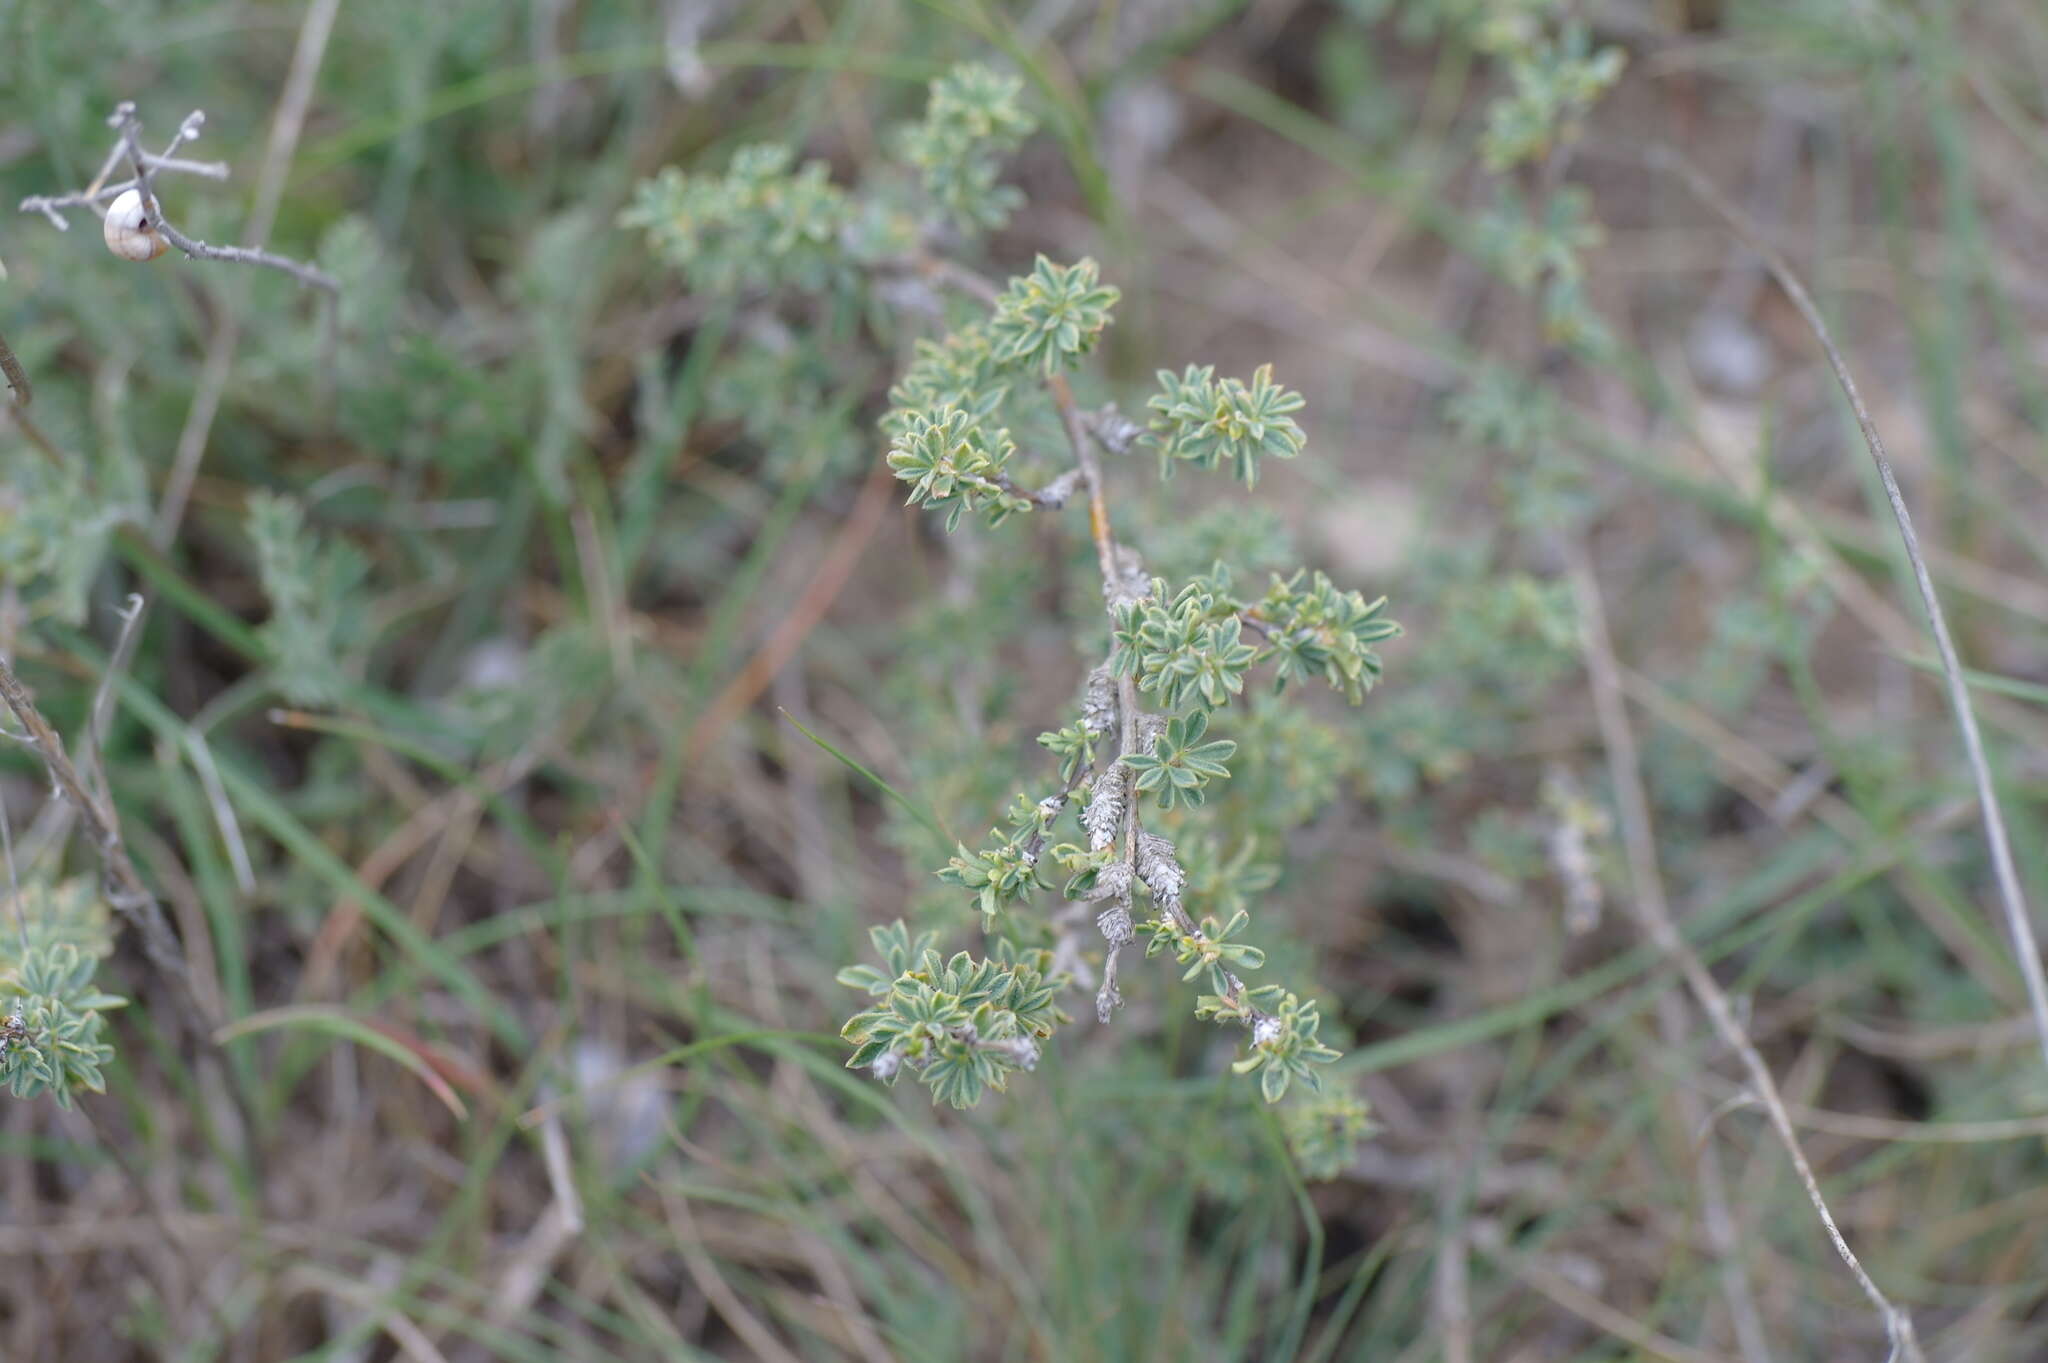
(460, 735)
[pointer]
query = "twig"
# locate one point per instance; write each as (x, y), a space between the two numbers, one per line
(130, 132)
(127, 892)
(90, 197)
(146, 165)
(1084, 431)
(1639, 841)
(89, 764)
(1115, 589)
(24, 393)
(1673, 1027)
(1051, 497)
(13, 876)
(2011, 897)
(1109, 996)
(123, 885)
(554, 1149)
(17, 377)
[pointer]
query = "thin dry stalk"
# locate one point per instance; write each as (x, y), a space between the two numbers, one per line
(17, 377)
(414, 1343)
(290, 119)
(13, 876)
(1563, 1292)
(554, 1148)
(1861, 1126)
(2011, 896)
(285, 128)
(201, 755)
(1450, 1294)
(752, 1331)
(24, 394)
(126, 890)
(103, 696)
(1639, 842)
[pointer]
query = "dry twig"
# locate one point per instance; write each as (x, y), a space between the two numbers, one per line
(128, 146)
(17, 377)
(126, 891)
(2011, 896)
(1639, 842)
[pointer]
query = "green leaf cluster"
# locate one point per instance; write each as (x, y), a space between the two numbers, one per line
(1324, 1133)
(1210, 952)
(1050, 318)
(52, 1037)
(1192, 649)
(973, 119)
(1188, 650)
(1000, 875)
(316, 599)
(1180, 764)
(54, 529)
(1005, 873)
(960, 371)
(943, 440)
(1075, 746)
(765, 223)
(1544, 254)
(1553, 81)
(1317, 630)
(962, 1026)
(1286, 1044)
(953, 463)
(1209, 422)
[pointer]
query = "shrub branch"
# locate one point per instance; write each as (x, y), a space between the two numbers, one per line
(128, 147)
(126, 890)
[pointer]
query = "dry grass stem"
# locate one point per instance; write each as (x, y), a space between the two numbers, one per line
(2012, 898)
(1639, 842)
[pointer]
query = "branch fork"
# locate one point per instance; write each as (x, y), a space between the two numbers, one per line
(144, 167)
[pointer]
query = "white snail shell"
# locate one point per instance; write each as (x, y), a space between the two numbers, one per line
(129, 232)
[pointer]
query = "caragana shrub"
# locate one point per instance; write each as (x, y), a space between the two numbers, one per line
(1107, 854)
